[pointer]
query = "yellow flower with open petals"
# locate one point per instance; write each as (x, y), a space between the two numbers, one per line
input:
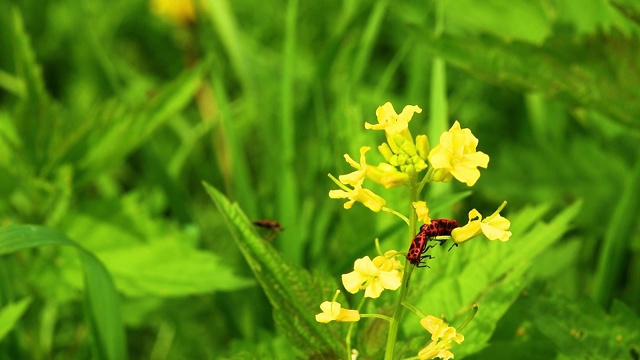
(367, 197)
(441, 336)
(373, 276)
(332, 310)
(390, 121)
(493, 227)
(456, 156)
(395, 126)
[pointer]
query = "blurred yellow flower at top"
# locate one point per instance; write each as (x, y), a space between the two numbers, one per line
(179, 12)
(456, 156)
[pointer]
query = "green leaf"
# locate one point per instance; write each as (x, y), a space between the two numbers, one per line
(582, 330)
(294, 294)
(10, 314)
(501, 18)
(101, 299)
(490, 274)
(169, 268)
(148, 256)
(117, 129)
(618, 238)
(629, 8)
(27, 70)
(598, 72)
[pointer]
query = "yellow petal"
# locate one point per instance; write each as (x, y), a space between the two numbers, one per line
(374, 289)
(348, 315)
(466, 232)
(390, 279)
(466, 175)
(366, 267)
(353, 281)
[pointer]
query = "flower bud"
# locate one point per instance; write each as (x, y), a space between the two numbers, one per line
(385, 151)
(422, 145)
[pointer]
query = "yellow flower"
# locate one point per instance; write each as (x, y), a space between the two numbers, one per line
(391, 122)
(179, 12)
(396, 126)
(441, 336)
(422, 211)
(332, 310)
(367, 197)
(493, 227)
(355, 177)
(373, 276)
(456, 156)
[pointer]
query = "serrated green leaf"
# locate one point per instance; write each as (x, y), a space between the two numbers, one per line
(581, 329)
(489, 274)
(146, 256)
(294, 294)
(101, 298)
(599, 72)
(10, 314)
(168, 269)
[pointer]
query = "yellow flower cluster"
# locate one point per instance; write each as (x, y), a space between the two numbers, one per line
(372, 276)
(405, 157)
(454, 157)
(441, 336)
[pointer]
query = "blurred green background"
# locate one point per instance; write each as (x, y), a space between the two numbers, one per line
(112, 113)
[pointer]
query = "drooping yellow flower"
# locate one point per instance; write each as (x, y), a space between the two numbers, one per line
(355, 177)
(332, 310)
(441, 336)
(422, 211)
(456, 156)
(373, 276)
(493, 227)
(367, 197)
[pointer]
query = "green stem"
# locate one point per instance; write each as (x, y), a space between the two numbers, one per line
(377, 316)
(351, 327)
(399, 308)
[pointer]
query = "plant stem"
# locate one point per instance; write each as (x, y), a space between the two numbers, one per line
(350, 331)
(397, 313)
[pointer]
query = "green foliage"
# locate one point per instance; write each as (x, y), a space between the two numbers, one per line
(111, 118)
(294, 294)
(101, 299)
(10, 314)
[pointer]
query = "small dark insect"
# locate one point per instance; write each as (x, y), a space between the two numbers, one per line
(271, 225)
(428, 232)
(268, 224)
